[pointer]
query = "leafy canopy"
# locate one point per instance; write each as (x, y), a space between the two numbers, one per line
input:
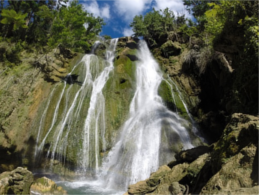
(73, 27)
(11, 17)
(156, 24)
(47, 24)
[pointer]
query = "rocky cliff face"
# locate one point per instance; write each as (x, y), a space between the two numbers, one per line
(23, 88)
(212, 81)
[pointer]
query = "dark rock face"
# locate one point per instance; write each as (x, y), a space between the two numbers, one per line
(170, 48)
(100, 50)
(192, 154)
(230, 166)
(71, 79)
(17, 181)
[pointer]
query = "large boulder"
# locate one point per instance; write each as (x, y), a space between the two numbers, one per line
(46, 186)
(156, 177)
(241, 131)
(192, 154)
(17, 181)
(140, 187)
(235, 176)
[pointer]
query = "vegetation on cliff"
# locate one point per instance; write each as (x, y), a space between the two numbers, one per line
(43, 25)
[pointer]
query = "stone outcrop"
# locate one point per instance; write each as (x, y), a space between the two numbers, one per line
(45, 186)
(55, 64)
(170, 48)
(17, 181)
(229, 166)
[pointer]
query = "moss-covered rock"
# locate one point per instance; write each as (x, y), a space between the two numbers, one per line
(241, 131)
(192, 154)
(172, 98)
(140, 187)
(166, 93)
(155, 177)
(118, 92)
(17, 181)
(100, 50)
(235, 176)
(170, 48)
(45, 186)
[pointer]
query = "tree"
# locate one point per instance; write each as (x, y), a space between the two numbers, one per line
(13, 20)
(39, 30)
(154, 25)
(74, 28)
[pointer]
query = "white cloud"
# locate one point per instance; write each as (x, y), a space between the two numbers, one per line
(94, 8)
(105, 11)
(175, 5)
(128, 32)
(130, 8)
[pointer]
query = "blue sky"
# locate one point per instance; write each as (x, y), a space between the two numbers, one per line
(118, 14)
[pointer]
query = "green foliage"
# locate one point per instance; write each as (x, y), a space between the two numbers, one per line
(44, 17)
(38, 24)
(156, 24)
(107, 37)
(197, 8)
(11, 17)
(73, 28)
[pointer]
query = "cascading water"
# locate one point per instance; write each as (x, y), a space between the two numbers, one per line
(78, 130)
(94, 73)
(137, 152)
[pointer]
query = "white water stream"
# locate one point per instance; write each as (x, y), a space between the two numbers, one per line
(143, 138)
(95, 75)
(137, 152)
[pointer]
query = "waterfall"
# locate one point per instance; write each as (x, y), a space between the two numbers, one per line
(80, 109)
(137, 152)
(77, 131)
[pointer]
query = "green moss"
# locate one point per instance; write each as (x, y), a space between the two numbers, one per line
(118, 93)
(41, 181)
(173, 60)
(165, 92)
(172, 99)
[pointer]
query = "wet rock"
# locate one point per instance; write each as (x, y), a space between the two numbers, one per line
(192, 154)
(17, 181)
(100, 50)
(45, 186)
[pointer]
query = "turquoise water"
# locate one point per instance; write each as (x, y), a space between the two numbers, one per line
(86, 187)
